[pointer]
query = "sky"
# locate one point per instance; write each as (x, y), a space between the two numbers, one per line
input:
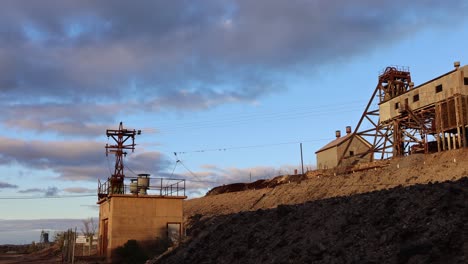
(231, 87)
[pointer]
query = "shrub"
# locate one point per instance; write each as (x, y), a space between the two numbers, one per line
(131, 253)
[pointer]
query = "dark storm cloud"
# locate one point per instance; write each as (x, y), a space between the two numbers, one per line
(4, 185)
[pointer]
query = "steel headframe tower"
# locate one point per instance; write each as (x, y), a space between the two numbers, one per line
(120, 137)
(398, 136)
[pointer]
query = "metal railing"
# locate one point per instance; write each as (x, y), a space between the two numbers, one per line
(156, 186)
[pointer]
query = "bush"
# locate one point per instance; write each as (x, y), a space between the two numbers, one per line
(131, 253)
(161, 245)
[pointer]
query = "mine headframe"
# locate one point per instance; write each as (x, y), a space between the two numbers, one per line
(396, 137)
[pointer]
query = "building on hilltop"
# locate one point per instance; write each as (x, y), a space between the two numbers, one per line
(140, 208)
(329, 155)
(402, 119)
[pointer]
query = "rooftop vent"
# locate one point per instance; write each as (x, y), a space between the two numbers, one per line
(348, 130)
(338, 134)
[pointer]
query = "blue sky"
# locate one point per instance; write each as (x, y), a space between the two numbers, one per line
(231, 86)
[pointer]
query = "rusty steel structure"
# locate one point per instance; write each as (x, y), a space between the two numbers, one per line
(121, 137)
(434, 120)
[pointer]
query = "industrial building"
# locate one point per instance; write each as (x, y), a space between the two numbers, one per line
(402, 119)
(138, 208)
(329, 155)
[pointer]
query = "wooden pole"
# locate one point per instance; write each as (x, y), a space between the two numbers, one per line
(302, 161)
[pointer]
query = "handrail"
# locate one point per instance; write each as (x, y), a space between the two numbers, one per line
(156, 186)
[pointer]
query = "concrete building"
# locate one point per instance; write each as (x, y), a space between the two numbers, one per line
(329, 155)
(144, 213)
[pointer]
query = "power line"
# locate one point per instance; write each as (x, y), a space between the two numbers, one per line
(251, 146)
(174, 168)
(239, 118)
(45, 197)
(126, 166)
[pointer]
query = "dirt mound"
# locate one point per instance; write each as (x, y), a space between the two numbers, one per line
(407, 171)
(260, 184)
(416, 224)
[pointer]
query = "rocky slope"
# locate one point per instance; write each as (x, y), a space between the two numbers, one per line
(415, 224)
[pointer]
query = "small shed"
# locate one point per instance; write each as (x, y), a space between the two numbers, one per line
(329, 155)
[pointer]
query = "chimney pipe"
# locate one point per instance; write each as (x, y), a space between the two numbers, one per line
(338, 133)
(348, 130)
(456, 65)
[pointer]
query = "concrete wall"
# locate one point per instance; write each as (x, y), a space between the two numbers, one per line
(143, 218)
(327, 159)
(452, 83)
(357, 147)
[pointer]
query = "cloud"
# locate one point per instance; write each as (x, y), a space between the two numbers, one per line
(51, 191)
(76, 160)
(32, 190)
(71, 160)
(200, 182)
(48, 192)
(42, 154)
(88, 55)
(146, 162)
(4, 185)
(79, 190)
(37, 224)
(21, 231)
(70, 67)
(92, 206)
(60, 118)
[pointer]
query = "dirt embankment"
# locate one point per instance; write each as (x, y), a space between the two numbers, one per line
(419, 168)
(416, 224)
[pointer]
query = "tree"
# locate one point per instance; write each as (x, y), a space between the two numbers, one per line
(89, 230)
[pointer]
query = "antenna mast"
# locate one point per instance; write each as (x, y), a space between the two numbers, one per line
(120, 137)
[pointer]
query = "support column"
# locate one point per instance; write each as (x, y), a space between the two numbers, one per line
(443, 141)
(449, 141)
(458, 115)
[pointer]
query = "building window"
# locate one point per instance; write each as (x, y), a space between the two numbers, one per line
(465, 80)
(351, 153)
(397, 105)
(416, 98)
(439, 88)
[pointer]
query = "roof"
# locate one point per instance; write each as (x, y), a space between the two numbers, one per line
(334, 143)
(340, 141)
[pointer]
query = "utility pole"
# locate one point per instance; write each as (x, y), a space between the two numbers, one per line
(302, 161)
(120, 136)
